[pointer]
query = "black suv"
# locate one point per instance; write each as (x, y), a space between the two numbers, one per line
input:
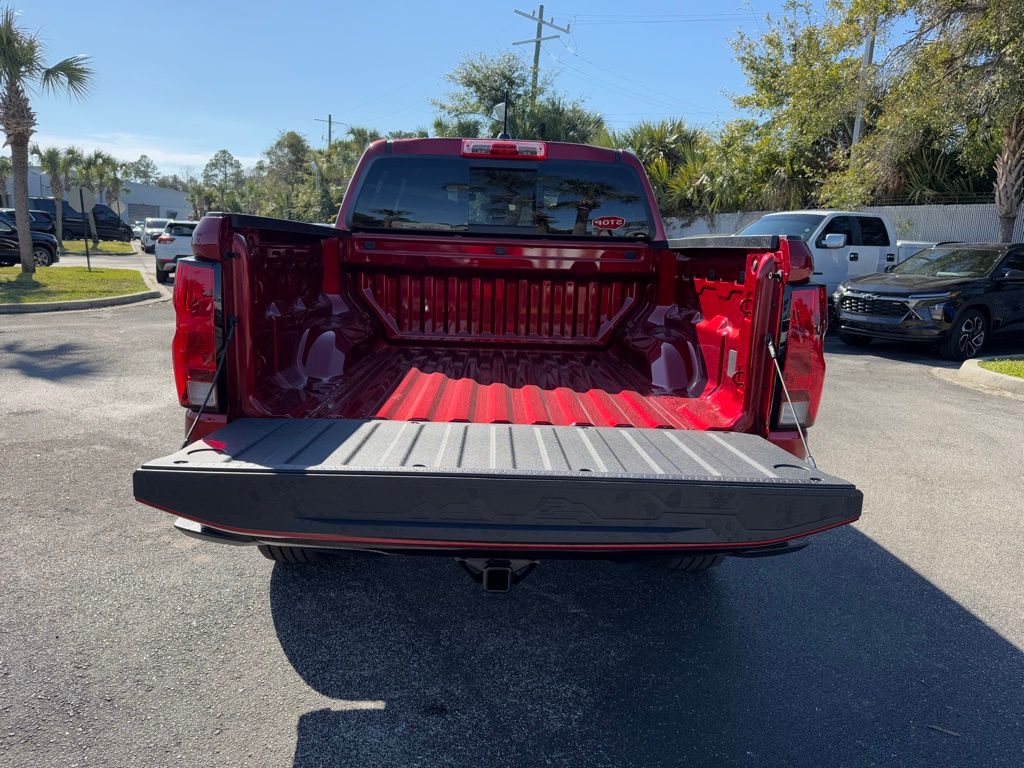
(109, 226)
(44, 247)
(39, 221)
(953, 294)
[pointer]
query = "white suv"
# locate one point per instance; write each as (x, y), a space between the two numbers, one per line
(151, 230)
(175, 242)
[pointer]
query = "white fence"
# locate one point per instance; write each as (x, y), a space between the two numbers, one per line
(931, 223)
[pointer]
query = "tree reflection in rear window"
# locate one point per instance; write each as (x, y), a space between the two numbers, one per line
(551, 197)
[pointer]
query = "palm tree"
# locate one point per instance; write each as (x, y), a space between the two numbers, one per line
(21, 69)
(97, 172)
(58, 165)
(112, 179)
(5, 175)
(585, 196)
(672, 140)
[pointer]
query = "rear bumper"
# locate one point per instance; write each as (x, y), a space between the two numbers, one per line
(429, 548)
(479, 490)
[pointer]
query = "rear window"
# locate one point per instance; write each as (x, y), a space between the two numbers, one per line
(456, 194)
(156, 223)
(180, 230)
(873, 231)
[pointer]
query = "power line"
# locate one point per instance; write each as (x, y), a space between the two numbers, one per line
(621, 90)
(539, 38)
(690, 105)
(417, 79)
(596, 19)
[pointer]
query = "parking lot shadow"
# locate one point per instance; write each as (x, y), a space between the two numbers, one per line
(64, 360)
(838, 656)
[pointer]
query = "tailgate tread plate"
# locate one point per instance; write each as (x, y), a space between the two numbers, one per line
(457, 482)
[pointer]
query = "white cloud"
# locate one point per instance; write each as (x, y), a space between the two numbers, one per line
(128, 146)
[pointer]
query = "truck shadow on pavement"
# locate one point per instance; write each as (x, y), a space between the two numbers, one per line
(65, 360)
(839, 655)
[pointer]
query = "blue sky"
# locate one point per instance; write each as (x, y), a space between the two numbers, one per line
(180, 82)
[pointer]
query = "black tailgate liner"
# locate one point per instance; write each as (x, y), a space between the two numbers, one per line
(453, 484)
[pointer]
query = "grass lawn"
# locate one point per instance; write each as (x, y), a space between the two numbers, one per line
(1009, 367)
(66, 284)
(106, 246)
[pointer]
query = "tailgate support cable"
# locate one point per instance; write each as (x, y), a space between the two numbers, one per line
(785, 390)
(232, 322)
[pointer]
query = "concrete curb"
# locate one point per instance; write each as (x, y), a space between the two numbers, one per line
(59, 306)
(973, 373)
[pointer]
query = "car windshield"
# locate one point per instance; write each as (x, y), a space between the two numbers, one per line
(156, 223)
(180, 230)
(951, 262)
(800, 225)
(455, 194)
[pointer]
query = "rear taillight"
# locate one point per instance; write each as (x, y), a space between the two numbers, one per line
(194, 349)
(801, 261)
(804, 367)
(165, 239)
(512, 150)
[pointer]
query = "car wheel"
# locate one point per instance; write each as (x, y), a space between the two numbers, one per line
(41, 256)
(295, 555)
(967, 337)
(694, 564)
(854, 339)
(161, 276)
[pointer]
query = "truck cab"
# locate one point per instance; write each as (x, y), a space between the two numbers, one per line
(844, 244)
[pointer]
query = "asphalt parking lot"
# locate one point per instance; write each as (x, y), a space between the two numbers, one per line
(894, 642)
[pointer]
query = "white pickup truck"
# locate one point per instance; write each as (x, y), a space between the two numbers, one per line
(845, 244)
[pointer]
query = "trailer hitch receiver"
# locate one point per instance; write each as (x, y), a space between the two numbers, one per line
(497, 575)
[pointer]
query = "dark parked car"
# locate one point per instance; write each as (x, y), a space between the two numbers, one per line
(45, 219)
(44, 247)
(955, 295)
(109, 226)
(39, 221)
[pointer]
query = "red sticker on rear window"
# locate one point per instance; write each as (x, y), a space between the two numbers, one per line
(609, 222)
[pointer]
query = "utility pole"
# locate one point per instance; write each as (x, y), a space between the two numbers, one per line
(537, 40)
(865, 67)
(330, 126)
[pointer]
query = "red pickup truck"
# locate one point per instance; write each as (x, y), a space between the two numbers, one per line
(496, 355)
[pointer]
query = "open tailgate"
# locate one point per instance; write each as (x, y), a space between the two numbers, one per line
(452, 485)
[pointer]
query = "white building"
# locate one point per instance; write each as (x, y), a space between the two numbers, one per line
(141, 200)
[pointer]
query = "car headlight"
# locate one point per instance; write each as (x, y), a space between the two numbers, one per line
(931, 305)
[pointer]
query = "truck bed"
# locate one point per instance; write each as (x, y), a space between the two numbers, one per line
(464, 486)
(512, 386)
